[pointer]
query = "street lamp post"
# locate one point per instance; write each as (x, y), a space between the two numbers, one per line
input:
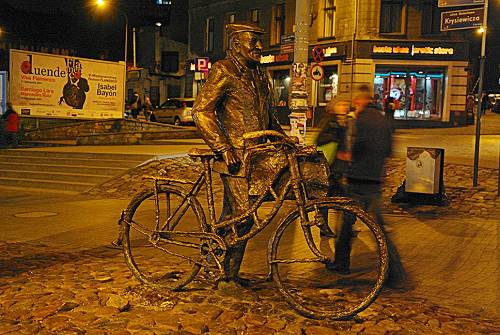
(479, 94)
(101, 4)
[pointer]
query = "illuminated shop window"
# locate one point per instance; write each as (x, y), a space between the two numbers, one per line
(328, 86)
(281, 85)
(417, 92)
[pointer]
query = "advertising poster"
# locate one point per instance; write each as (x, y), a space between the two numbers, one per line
(67, 87)
(298, 126)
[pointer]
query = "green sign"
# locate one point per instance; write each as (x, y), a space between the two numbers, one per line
(454, 3)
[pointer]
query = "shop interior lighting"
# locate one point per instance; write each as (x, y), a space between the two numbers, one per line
(420, 74)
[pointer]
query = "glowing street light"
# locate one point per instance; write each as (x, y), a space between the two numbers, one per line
(101, 4)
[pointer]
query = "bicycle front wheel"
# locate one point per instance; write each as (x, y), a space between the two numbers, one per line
(299, 255)
(147, 239)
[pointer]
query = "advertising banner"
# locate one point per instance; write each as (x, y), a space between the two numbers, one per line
(67, 87)
(453, 3)
(462, 19)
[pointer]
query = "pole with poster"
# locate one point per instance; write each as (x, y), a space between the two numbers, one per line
(299, 96)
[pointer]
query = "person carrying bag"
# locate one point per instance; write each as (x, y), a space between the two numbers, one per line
(333, 141)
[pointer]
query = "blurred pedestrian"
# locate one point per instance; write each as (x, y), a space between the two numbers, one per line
(485, 104)
(147, 108)
(135, 105)
(389, 110)
(332, 141)
(11, 126)
(332, 134)
(371, 146)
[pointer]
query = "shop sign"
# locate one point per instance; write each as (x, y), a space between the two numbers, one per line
(202, 64)
(412, 50)
(462, 19)
(268, 59)
(317, 72)
(287, 39)
(287, 48)
(453, 3)
(287, 43)
(330, 51)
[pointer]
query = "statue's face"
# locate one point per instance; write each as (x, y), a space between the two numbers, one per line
(249, 46)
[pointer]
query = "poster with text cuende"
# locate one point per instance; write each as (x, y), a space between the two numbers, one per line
(64, 86)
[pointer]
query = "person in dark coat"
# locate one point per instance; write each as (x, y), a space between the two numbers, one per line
(372, 145)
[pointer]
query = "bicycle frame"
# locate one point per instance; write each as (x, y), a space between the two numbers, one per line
(295, 183)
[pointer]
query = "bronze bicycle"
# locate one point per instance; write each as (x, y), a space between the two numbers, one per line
(167, 238)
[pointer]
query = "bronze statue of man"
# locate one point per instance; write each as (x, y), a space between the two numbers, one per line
(236, 98)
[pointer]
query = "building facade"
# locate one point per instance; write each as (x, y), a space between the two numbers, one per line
(393, 46)
(160, 50)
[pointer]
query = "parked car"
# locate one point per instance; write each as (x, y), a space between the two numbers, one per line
(175, 111)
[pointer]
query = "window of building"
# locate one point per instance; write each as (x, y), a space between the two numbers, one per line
(209, 35)
(329, 18)
(254, 16)
(416, 92)
(431, 17)
(328, 86)
(170, 61)
(278, 23)
(163, 2)
(230, 18)
(392, 16)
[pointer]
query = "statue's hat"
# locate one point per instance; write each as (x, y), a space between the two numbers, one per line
(235, 28)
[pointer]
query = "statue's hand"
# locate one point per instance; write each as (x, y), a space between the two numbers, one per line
(232, 162)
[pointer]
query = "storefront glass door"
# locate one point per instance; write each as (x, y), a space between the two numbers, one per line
(418, 92)
(281, 84)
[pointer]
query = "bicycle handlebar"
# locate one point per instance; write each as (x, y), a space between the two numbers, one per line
(291, 141)
(262, 133)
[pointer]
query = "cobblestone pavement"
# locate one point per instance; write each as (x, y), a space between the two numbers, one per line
(463, 199)
(44, 290)
(52, 289)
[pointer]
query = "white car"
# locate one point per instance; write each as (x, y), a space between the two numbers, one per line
(176, 111)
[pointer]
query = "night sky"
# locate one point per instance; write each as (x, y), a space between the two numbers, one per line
(73, 23)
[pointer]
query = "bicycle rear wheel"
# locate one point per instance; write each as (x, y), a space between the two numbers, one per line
(149, 253)
(298, 267)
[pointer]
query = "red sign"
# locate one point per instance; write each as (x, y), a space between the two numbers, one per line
(318, 54)
(201, 64)
(317, 72)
